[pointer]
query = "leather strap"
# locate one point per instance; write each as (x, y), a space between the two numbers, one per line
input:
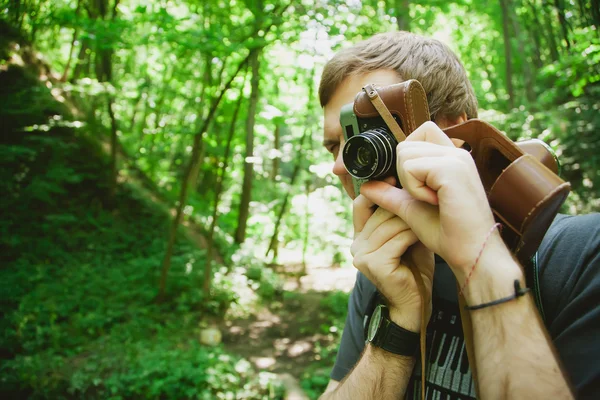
(384, 112)
(422, 335)
(400, 136)
(467, 326)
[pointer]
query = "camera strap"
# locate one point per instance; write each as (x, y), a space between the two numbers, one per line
(384, 112)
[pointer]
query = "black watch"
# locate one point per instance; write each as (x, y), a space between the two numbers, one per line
(385, 334)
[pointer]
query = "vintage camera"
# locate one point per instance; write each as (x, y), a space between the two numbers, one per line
(370, 148)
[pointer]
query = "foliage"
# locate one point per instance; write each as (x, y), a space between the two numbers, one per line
(79, 280)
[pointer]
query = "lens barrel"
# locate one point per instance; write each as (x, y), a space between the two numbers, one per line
(370, 154)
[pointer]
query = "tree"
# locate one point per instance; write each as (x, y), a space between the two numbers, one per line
(402, 14)
(240, 233)
(217, 195)
(505, 5)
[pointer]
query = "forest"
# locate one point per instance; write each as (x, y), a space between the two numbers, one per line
(170, 226)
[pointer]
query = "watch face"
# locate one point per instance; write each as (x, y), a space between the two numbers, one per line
(374, 323)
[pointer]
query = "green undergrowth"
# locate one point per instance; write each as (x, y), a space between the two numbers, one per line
(80, 270)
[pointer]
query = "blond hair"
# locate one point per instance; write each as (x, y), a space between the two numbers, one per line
(431, 62)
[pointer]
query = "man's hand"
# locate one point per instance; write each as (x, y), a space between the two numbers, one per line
(443, 200)
(380, 240)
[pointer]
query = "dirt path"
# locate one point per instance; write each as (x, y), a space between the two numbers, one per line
(281, 338)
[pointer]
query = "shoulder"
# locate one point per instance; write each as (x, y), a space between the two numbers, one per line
(569, 260)
(571, 229)
(570, 242)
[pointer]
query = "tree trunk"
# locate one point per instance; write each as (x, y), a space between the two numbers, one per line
(550, 34)
(276, 146)
(560, 9)
(401, 8)
(583, 14)
(104, 72)
(189, 178)
(283, 208)
(306, 230)
(218, 191)
(504, 5)
(113, 151)
(273, 243)
(83, 60)
(533, 28)
(136, 108)
(528, 75)
(240, 234)
(595, 7)
(402, 14)
(63, 78)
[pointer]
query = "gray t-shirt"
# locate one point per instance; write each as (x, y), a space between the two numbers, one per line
(569, 276)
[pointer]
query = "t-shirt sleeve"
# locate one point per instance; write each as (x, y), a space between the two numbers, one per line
(353, 339)
(570, 290)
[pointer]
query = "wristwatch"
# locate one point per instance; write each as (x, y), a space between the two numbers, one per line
(385, 334)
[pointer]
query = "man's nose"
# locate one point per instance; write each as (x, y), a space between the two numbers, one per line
(338, 166)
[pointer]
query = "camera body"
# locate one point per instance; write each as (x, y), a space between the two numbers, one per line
(369, 151)
(370, 147)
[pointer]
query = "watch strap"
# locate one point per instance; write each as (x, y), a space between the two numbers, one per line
(395, 339)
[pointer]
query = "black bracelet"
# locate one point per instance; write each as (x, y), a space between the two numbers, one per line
(518, 293)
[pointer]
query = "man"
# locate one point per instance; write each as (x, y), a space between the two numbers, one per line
(443, 210)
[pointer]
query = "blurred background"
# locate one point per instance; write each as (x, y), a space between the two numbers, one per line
(170, 227)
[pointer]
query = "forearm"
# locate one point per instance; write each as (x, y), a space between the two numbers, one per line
(513, 353)
(378, 375)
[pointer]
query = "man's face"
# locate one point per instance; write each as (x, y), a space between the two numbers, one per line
(333, 137)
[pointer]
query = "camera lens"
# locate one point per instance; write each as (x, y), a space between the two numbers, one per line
(365, 156)
(370, 154)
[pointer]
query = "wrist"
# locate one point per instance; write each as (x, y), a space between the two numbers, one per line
(380, 355)
(408, 318)
(493, 276)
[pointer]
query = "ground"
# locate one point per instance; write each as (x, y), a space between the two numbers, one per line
(281, 337)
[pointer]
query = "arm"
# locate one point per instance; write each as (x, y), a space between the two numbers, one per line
(514, 355)
(380, 240)
(378, 375)
(445, 205)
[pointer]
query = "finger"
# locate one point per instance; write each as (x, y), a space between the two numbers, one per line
(391, 180)
(397, 246)
(430, 132)
(385, 232)
(362, 209)
(414, 179)
(371, 265)
(400, 202)
(445, 176)
(379, 217)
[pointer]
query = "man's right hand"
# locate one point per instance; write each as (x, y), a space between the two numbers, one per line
(380, 240)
